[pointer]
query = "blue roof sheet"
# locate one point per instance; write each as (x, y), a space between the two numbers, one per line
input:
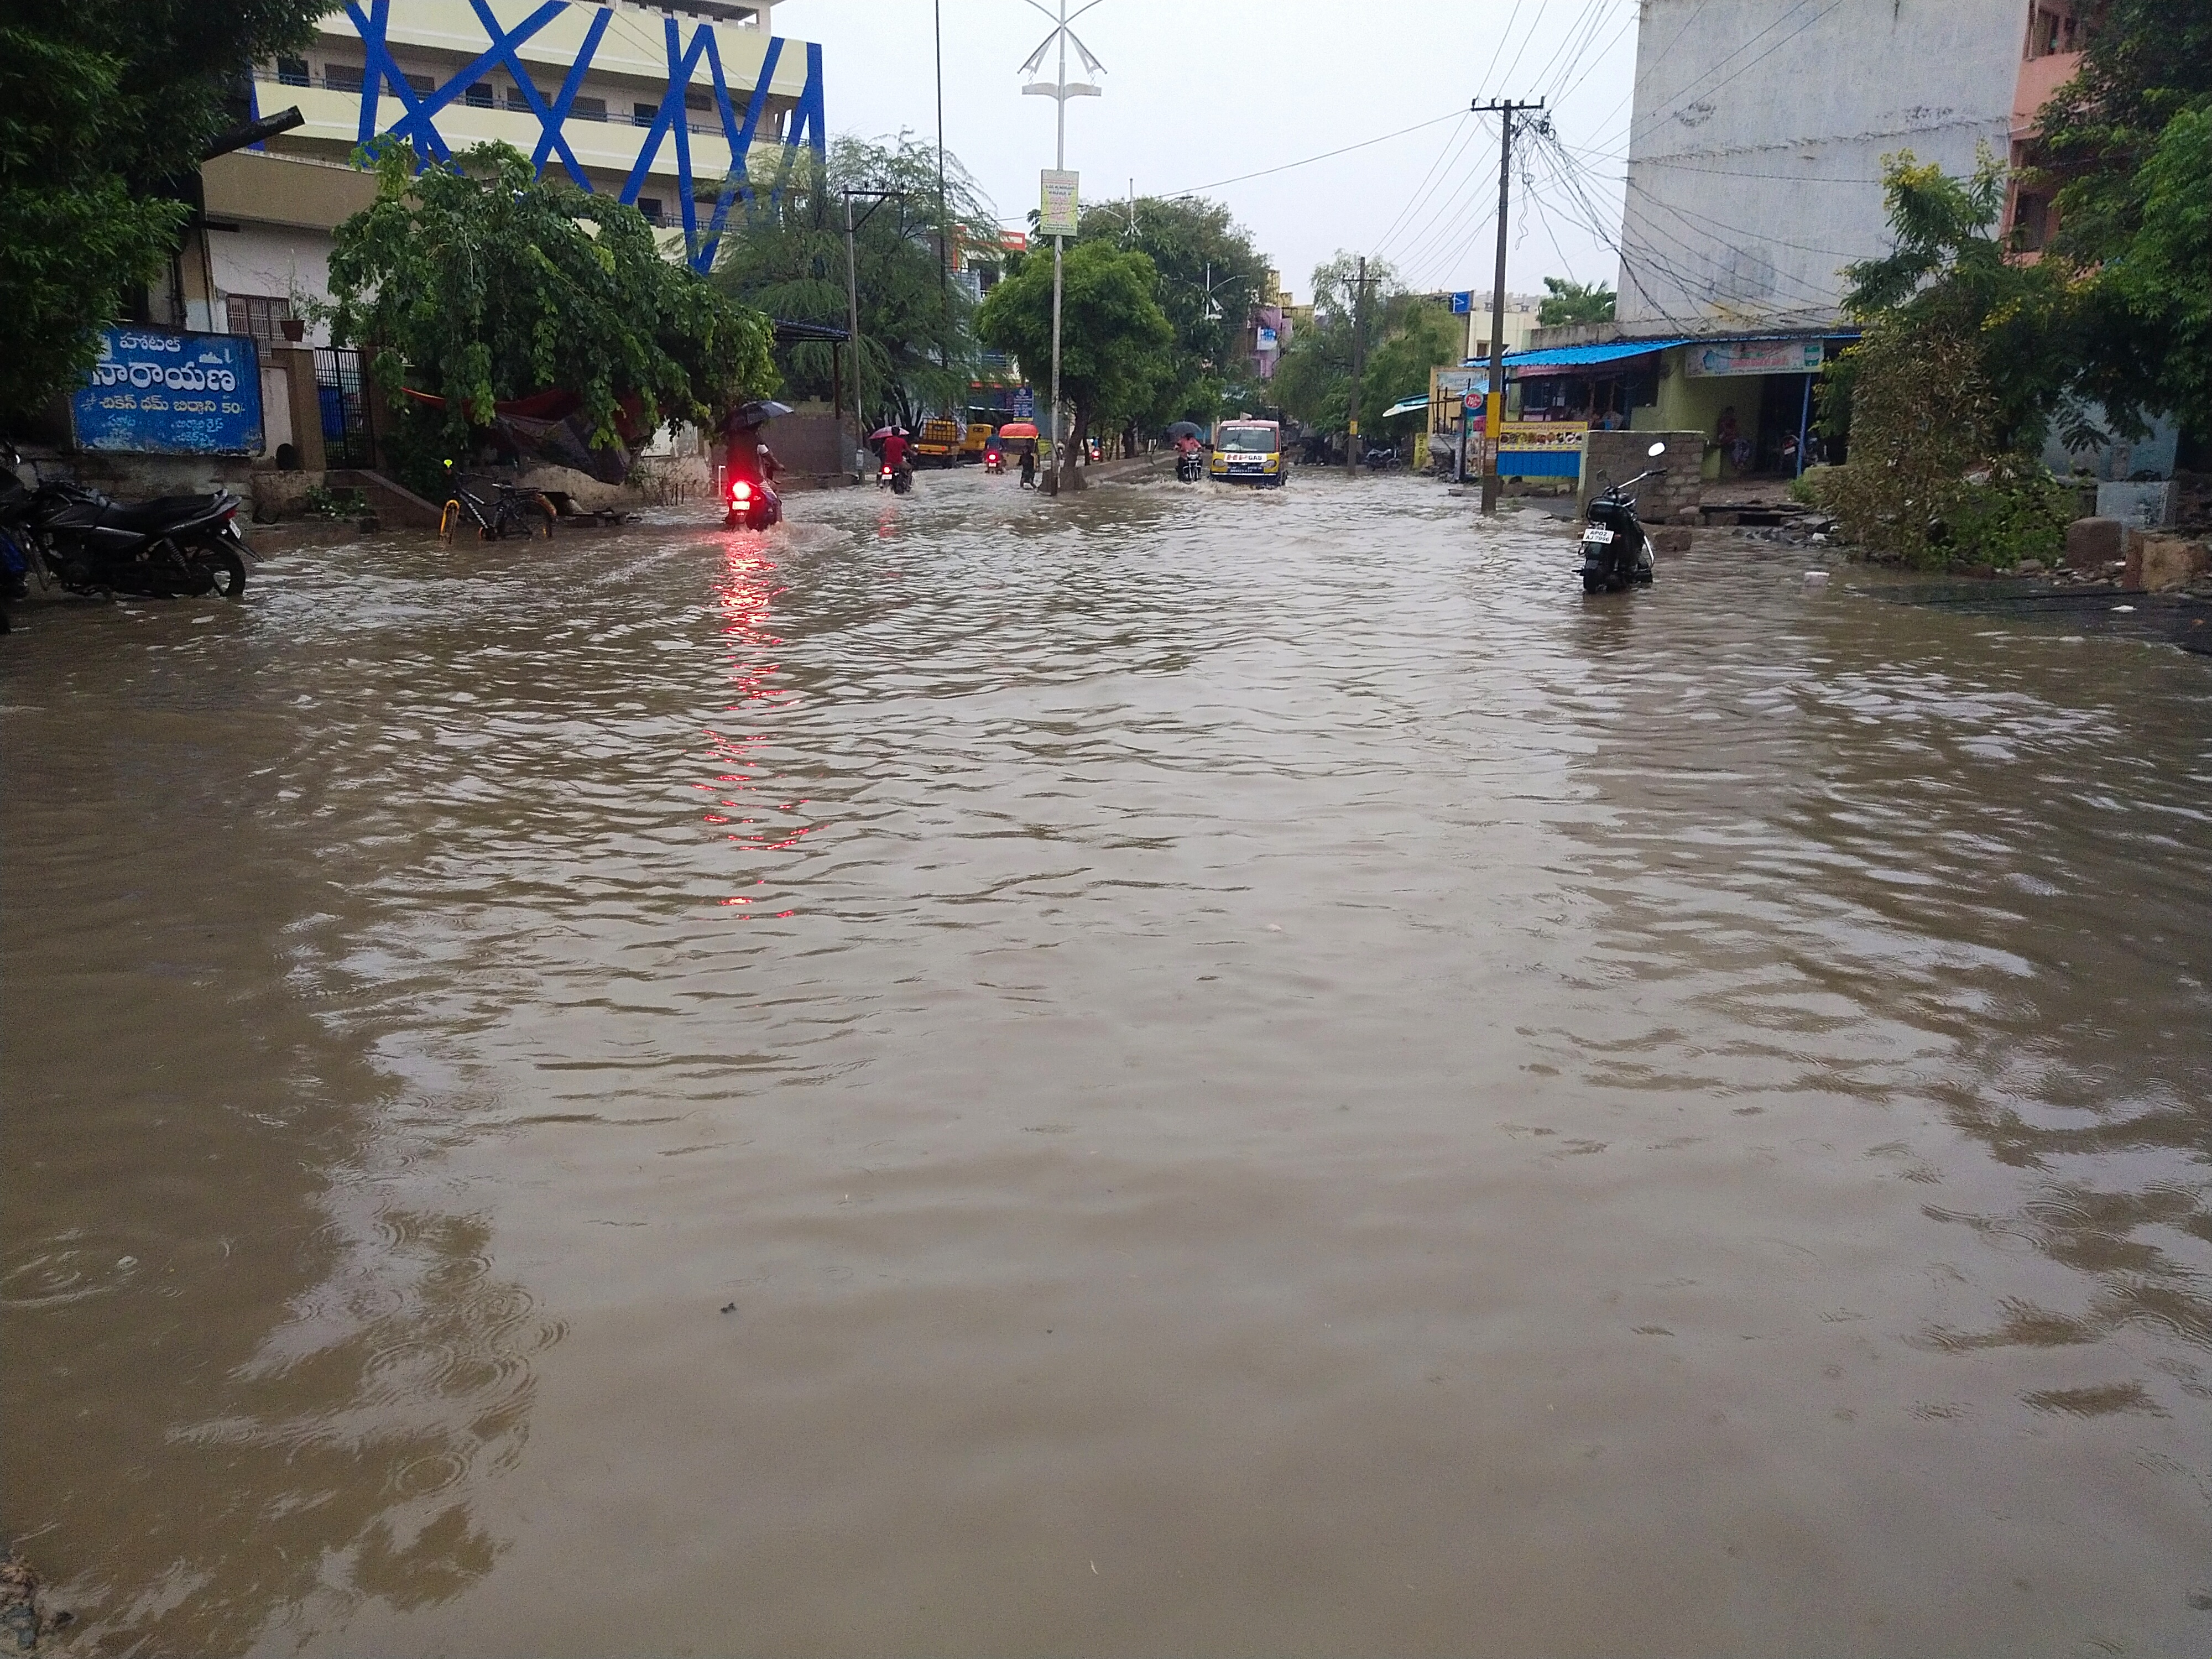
(1583, 355)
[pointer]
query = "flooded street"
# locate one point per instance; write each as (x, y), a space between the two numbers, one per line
(1201, 1073)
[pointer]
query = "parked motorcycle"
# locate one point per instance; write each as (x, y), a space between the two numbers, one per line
(1616, 550)
(754, 505)
(898, 479)
(174, 545)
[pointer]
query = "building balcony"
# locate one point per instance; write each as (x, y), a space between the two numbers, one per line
(607, 148)
(2039, 78)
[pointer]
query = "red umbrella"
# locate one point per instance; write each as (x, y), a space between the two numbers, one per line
(1018, 429)
(880, 434)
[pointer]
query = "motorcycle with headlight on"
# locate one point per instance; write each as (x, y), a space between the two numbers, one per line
(1616, 548)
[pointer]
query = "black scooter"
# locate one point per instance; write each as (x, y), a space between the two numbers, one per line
(173, 545)
(1616, 550)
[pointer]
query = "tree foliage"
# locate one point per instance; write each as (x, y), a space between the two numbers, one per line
(101, 106)
(477, 282)
(1117, 347)
(1569, 301)
(1950, 278)
(1426, 336)
(1404, 337)
(2129, 141)
(786, 256)
(1210, 277)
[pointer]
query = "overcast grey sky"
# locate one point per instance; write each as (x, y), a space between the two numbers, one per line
(1202, 91)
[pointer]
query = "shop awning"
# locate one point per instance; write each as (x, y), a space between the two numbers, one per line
(1584, 358)
(1413, 405)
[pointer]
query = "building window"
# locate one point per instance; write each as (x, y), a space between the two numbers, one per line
(341, 78)
(589, 109)
(2031, 223)
(641, 115)
(292, 72)
(650, 207)
(425, 85)
(478, 96)
(260, 316)
(516, 100)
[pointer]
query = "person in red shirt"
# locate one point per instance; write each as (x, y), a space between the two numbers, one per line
(895, 450)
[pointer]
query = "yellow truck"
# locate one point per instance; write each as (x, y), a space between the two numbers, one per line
(938, 444)
(1247, 452)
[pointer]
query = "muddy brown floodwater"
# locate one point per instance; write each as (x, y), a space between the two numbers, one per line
(1203, 1073)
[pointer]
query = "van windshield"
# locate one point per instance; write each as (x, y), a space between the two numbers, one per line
(1256, 439)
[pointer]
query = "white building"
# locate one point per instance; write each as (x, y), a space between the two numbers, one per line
(1754, 156)
(646, 103)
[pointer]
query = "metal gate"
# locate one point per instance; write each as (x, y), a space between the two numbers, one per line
(341, 393)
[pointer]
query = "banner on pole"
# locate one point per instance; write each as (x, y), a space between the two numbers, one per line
(1058, 209)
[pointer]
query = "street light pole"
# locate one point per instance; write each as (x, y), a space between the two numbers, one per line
(1059, 90)
(852, 331)
(852, 315)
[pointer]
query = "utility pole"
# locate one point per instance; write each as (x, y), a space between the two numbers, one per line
(1060, 90)
(853, 315)
(1494, 403)
(1358, 363)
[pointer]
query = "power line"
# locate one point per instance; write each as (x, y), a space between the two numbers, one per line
(1364, 144)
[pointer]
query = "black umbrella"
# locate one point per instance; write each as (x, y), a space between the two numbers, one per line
(759, 412)
(1186, 429)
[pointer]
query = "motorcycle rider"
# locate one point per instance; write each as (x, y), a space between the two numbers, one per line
(895, 452)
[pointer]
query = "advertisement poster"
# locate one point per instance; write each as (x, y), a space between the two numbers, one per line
(1755, 357)
(1058, 209)
(156, 393)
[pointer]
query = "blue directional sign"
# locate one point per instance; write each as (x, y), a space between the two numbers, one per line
(1462, 304)
(154, 392)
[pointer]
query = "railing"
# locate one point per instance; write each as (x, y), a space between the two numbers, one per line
(342, 394)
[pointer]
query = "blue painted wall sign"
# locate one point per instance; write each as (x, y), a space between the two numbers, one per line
(157, 392)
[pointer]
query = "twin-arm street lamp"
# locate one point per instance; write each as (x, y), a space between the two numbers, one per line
(1060, 197)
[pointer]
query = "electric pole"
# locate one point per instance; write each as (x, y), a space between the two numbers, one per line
(1494, 403)
(853, 315)
(1358, 366)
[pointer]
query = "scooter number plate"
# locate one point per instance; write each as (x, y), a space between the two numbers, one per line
(1597, 536)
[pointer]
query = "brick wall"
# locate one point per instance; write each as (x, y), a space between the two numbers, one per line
(1620, 456)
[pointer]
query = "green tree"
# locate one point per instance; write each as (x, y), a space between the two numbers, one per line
(477, 282)
(2126, 140)
(1569, 301)
(1116, 345)
(1950, 278)
(102, 108)
(1211, 276)
(786, 256)
(1426, 336)
(1314, 380)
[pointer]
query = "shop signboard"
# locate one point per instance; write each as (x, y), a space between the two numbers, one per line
(1059, 212)
(1541, 449)
(154, 392)
(1720, 358)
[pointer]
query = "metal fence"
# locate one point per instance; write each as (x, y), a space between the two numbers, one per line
(341, 393)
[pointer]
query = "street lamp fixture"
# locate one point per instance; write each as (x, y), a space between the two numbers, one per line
(1059, 90)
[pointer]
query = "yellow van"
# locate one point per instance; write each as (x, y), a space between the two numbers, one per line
(1248, 451)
